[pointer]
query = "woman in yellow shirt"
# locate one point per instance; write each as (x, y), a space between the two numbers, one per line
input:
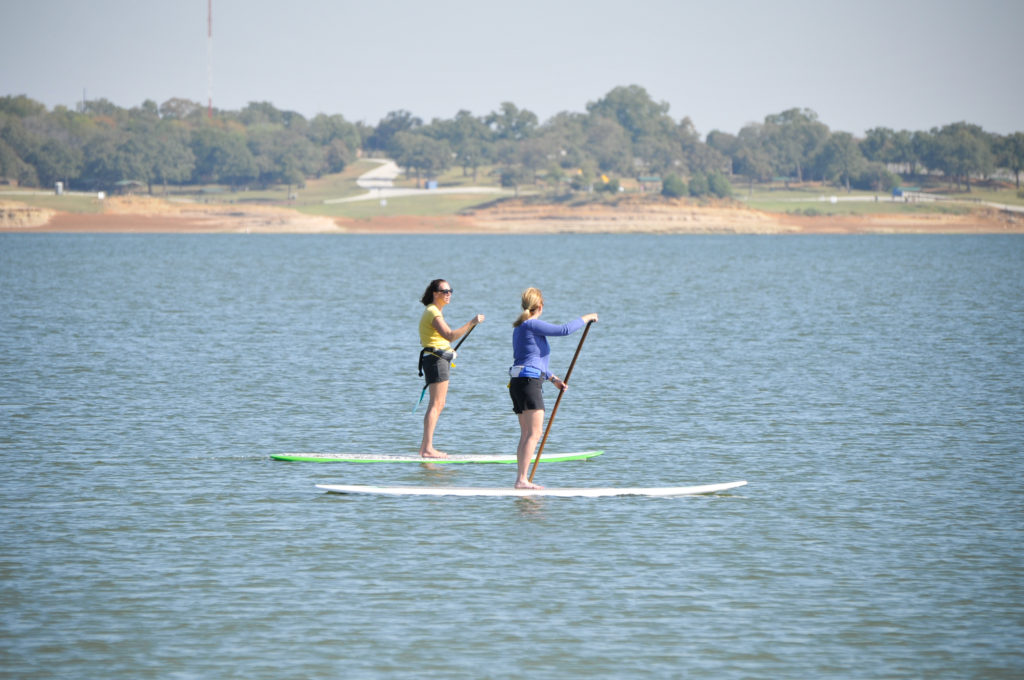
(436, 356)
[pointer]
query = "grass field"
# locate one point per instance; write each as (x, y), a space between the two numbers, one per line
(75, 203)
(816, 200)
(808, 199)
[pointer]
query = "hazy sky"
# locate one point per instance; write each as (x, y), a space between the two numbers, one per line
(859, 64)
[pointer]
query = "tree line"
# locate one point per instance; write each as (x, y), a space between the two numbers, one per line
(625, 133)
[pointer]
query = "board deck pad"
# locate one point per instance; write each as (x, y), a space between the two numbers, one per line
(503, 458)
(596, 492)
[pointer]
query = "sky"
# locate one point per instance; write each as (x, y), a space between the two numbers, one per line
(913, 64)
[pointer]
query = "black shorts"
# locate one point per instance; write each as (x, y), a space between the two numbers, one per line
(527, 394)
(435, 369)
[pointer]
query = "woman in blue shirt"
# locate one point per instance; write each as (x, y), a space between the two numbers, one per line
(531, 354)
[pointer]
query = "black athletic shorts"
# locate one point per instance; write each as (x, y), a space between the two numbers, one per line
(435, 369)
(527, 394)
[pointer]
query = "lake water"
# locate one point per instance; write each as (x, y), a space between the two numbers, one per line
(869, 388)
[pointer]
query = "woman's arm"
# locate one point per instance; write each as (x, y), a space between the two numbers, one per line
(544, 328)
(448, 334)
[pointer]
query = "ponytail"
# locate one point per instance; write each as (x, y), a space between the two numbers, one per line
(532, 300)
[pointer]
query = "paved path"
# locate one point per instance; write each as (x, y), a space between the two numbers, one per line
(380, 184)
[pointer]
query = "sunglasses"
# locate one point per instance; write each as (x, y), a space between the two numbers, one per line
(444, 291)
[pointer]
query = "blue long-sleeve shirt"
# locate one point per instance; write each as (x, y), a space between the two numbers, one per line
(530, 344)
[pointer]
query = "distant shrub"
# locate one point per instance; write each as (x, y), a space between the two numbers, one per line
(699, 185)
(673, 187)
(876, 177)
(611, 186)
(719, 186)
(509, 177)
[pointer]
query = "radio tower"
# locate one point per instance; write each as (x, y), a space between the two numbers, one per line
(209, 58)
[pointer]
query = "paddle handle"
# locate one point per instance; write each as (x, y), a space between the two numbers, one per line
(558, 401)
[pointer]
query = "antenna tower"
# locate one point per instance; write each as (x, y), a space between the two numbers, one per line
(209, 58)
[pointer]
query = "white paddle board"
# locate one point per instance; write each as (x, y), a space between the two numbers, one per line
(508, 491)
(399, 458)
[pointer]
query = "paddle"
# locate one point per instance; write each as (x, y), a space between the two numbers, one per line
(558, 400)
(456, 349)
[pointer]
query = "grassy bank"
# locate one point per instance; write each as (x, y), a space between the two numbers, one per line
(807, 199)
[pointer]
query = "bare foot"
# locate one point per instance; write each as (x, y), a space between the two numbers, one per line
(433, 453)
(526, 484)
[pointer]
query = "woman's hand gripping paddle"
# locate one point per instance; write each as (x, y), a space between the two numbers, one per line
(455, 349)
(554, 410)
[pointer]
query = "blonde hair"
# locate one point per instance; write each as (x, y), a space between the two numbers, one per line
(532, 300)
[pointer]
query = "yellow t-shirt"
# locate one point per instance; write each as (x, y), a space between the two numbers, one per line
(429, 336)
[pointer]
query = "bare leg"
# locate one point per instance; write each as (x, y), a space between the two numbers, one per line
(530, 425)
(438, 393)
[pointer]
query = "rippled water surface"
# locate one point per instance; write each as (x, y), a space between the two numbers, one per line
(870, 389)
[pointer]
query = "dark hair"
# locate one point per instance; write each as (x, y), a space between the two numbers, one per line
(428, 294)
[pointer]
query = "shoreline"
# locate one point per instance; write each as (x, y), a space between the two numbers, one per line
(144, 215)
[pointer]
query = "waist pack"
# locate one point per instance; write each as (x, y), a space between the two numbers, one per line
(524, 372)
(445, 354)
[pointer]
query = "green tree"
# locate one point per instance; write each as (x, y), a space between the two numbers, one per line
(608, 144)
(532, 156)
(324, 129)
(172, 160)
(583, 179)
(55, 161)
(878, 145)
(115, 155)
(633, 108)
(283, 156)
(657, 143)
(723, 142)
(511, 122)
(426, 156)
(337, 156)
(470, 140)
(12, 166)
(902, 152)
(104, 110)
(265, 113)
(673, 187)
(382, 138)
(718, 185)
(21, 106)
(876, 177)
(566, 139)
(181, 109)
(752, 163)
(222, 156)
(840, 158)
(555, 177)
(925, 151)
(610, 187)
(1010, 152)
(699, 185)
(960, 150)
(792, 139)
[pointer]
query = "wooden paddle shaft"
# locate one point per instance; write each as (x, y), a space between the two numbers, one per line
(558, 401)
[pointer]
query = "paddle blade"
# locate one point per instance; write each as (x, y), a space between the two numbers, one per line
(420, 400)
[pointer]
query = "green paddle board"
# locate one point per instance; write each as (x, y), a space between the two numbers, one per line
(398, 458)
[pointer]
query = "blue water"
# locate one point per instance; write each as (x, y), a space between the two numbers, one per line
(870, 389)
